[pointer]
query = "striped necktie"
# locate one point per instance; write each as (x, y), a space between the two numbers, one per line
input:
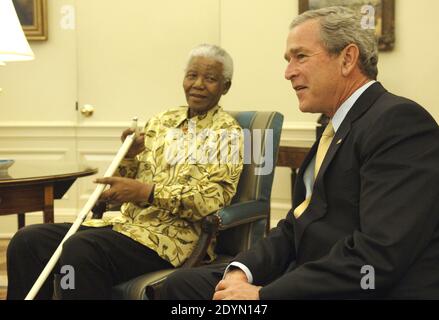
(325, 142)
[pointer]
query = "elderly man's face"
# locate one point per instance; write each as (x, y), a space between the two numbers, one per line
(204, 84)
(314, 74)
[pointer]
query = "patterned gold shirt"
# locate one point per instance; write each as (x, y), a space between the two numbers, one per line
(195, 166)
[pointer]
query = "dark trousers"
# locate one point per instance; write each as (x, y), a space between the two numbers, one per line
(192, 284)
(99, 257)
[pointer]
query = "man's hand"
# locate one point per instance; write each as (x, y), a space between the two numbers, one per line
(125, 190)
(138, 144)
(235, 286)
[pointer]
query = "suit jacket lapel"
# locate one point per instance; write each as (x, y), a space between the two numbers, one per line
(317, 207)
(336, 142)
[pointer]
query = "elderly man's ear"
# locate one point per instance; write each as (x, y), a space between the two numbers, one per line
(227, 85)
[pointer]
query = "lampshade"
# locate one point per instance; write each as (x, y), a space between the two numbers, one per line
(13, 43)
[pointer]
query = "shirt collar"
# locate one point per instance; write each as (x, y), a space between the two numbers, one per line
(341, 113)
(202, 120)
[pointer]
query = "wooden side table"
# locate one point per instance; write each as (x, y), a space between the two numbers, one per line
(28, 187)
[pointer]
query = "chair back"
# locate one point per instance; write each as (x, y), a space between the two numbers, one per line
(262, 132)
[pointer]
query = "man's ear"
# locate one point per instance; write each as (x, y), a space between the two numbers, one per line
(350, 56)
(227, 85)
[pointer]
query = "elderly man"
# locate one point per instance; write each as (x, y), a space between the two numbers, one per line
(365, 220)
(168, 182)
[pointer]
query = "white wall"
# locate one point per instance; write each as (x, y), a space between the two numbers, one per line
(43, 90)
(411, 69)
(253, 31)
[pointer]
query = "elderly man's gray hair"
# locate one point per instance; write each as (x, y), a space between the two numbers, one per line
(217, 53)
(341, 26)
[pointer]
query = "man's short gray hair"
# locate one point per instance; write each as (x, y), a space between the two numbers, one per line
(217, 53)
(341, 26)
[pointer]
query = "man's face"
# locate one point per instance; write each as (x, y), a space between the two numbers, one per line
(204, 84)
(314, 74)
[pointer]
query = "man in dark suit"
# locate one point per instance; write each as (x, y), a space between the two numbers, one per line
(365, 220)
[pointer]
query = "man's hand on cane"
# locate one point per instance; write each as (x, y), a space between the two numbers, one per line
(138, 144)
(125, 190)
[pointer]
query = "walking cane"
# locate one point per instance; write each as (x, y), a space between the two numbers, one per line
(84, 212)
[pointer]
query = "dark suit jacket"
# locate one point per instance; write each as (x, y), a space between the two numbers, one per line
(375, 202)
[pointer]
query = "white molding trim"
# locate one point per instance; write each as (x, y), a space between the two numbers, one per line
(298, 134)
(3, 281)
(37, 124)
(299, 125)
(34, 154)
(36, 132)
(294, 133)
(103, 152)
(281, 204)
(64, 124)
(279, 210)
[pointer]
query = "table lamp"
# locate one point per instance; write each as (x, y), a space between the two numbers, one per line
(13, 43)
